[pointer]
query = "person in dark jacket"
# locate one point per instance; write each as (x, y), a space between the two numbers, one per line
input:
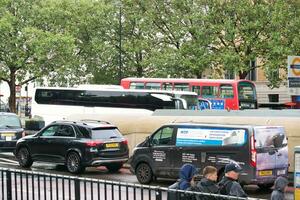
(280, 186)
(207, 184)
(186, 182)
(187, 176)
(229, 185)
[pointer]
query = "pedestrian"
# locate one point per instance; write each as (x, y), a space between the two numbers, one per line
(207, 184)
(229, 184)
(186, 182)
(280, 187)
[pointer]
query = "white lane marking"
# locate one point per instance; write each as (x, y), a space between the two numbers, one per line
(5, 163)
(8, 160)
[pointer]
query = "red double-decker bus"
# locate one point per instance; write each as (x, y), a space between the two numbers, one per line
(223, 93)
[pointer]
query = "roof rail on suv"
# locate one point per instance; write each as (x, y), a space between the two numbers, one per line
(95, 120)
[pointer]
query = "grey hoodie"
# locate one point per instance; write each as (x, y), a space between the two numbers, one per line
(279, 185)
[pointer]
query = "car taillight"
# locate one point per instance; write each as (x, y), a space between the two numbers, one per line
(253, 152)
(93, 143)
(125, 142)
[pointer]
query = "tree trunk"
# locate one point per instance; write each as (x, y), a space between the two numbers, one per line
(12, 88)
(243, 75)
(139, 58)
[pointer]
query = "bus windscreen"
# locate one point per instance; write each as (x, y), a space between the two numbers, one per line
(246, 91)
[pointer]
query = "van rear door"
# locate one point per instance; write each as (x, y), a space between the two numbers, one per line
(272, 151)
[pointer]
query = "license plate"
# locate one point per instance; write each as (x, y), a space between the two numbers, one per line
(112, 145)
(7, 134)
(281, 172)
(265, 173)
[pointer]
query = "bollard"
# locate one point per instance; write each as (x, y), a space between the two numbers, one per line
(8, 185)
(297, 172)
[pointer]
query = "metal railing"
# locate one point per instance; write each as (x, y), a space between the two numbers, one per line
(29, 185)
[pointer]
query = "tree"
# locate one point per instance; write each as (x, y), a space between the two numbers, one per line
(26, 51)
(247, 30)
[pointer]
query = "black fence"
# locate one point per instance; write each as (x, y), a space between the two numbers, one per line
(28, 185)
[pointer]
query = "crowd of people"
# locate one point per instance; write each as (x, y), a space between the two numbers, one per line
(228, 185)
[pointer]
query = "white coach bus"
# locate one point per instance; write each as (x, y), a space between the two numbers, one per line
(56, 103)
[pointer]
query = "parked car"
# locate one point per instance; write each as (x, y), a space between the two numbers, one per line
(261, 151)
(10, 131)
(76, 145)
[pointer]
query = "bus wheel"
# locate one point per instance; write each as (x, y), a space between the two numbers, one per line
(144, 173)
(265, 186)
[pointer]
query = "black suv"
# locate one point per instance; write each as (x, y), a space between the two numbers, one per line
(76, 145)
(10, 131)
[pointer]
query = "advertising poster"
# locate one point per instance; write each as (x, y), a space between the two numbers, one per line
(209, 137)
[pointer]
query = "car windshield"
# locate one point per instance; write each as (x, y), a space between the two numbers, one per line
(9, 121)
(107, 133)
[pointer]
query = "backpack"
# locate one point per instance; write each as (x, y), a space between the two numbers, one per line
(225, 186)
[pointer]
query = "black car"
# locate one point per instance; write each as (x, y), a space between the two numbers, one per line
(10, 131)
(76, 145)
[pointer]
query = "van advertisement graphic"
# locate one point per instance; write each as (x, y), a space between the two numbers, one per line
(272, 149)
(209, 137)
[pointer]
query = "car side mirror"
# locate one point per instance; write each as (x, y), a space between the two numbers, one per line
(147, 141)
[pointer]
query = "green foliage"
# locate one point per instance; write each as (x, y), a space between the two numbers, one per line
(67, 42)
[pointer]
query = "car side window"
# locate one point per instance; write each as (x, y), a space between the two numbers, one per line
(65, 131)
(162, 137)
(50, 131)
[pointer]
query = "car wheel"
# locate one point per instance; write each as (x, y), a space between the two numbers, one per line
(74, 163)
(144, 173)
(265, 186)
(114, 167)
(24, 157)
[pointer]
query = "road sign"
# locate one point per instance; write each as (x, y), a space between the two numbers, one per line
(294, 66)
(294, 71)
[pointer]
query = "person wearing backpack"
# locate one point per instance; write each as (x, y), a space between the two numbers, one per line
(229, 184)
(187, 182)
(207, 184)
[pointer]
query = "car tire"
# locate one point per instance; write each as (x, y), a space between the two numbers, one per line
(266, 186)
(73, 163)
(24, 157)
(114, 167)
(144, 173)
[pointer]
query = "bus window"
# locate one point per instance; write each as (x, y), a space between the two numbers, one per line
(181, 86)
(196, 89)
(167, 86)
(134, 85)
(209, 91)
(246, 91)
(226, 91)
(152, 86)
